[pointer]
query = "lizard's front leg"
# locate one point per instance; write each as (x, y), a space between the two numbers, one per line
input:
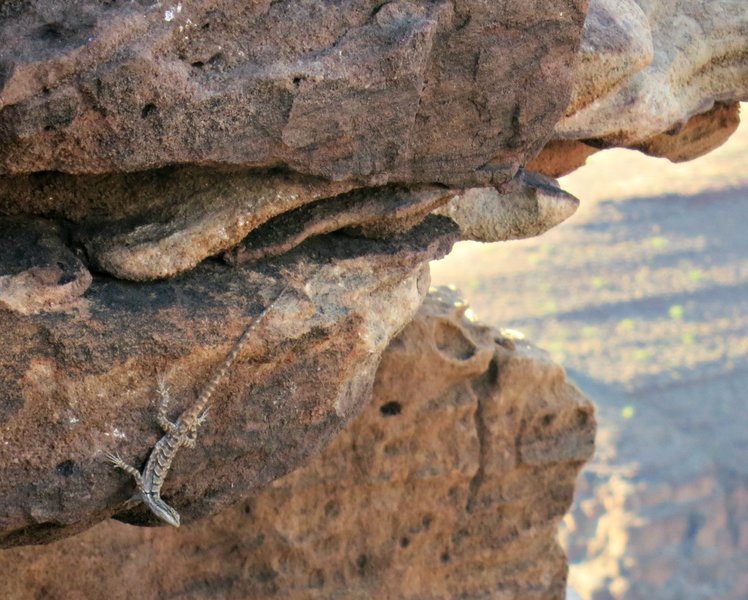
(121, 464)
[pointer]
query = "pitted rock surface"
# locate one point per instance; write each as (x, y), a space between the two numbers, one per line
(456, 92)
(81, 384)
(646, 68)
(451, 483)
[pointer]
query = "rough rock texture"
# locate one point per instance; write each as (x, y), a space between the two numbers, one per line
(454, 92)
(210, 216)
(701, 134)
(79, 384)
(648, 67)
(662, 77)
(143, 226)
(147, 226)
(167, 134)
(145, 138)
(379, 213)
(484, 215)
(450, 484)
(38, 272)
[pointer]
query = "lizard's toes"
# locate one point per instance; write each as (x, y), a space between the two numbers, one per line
(115, 459)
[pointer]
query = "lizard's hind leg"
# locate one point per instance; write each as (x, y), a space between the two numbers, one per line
(191, 439)
(163, 420)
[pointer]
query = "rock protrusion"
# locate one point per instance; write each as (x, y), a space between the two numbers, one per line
(450, 483)
(38, 272)
(79, 385)
(486, 215)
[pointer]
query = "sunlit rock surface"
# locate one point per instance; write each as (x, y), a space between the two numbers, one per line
(82, 383)
(450, 484)
(662, 77)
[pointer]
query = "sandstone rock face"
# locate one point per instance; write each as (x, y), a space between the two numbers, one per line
(661, 77)
(451, 92)
(155, 225)
(165, 135)
(485, 215)
(38, 271)
(449, 484)
(81, 383)
(139, 140)
(646, 68)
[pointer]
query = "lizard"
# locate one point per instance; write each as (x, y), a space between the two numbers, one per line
(179, 433)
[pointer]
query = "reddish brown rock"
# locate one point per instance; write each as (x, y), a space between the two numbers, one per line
(38, 272)
(701, 134)
(155, 225)
(194, 214)
(450, 484)
(406, 91)
(561, 157)
(78, 385)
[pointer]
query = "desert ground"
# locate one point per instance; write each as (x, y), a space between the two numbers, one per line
(643, 296)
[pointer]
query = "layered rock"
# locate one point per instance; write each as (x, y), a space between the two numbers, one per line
(142, 141)
(81, 383)
(406, 91)
(205, 122)
(155, 225)
(647, 67)
(661, 77)
(450, 483)
(38, 272)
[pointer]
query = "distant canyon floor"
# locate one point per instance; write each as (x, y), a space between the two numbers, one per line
(643, 297)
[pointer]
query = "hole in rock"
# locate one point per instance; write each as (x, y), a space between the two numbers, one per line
(51, 31)
(452, 342)
(390, 409)
(361, 561)
(65, 468)
(148, 110)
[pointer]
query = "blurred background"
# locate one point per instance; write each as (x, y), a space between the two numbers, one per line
(643, 296)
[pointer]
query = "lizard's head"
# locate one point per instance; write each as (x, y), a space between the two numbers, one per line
(162, 510)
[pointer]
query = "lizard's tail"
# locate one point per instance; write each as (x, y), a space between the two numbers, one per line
(207, 392)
